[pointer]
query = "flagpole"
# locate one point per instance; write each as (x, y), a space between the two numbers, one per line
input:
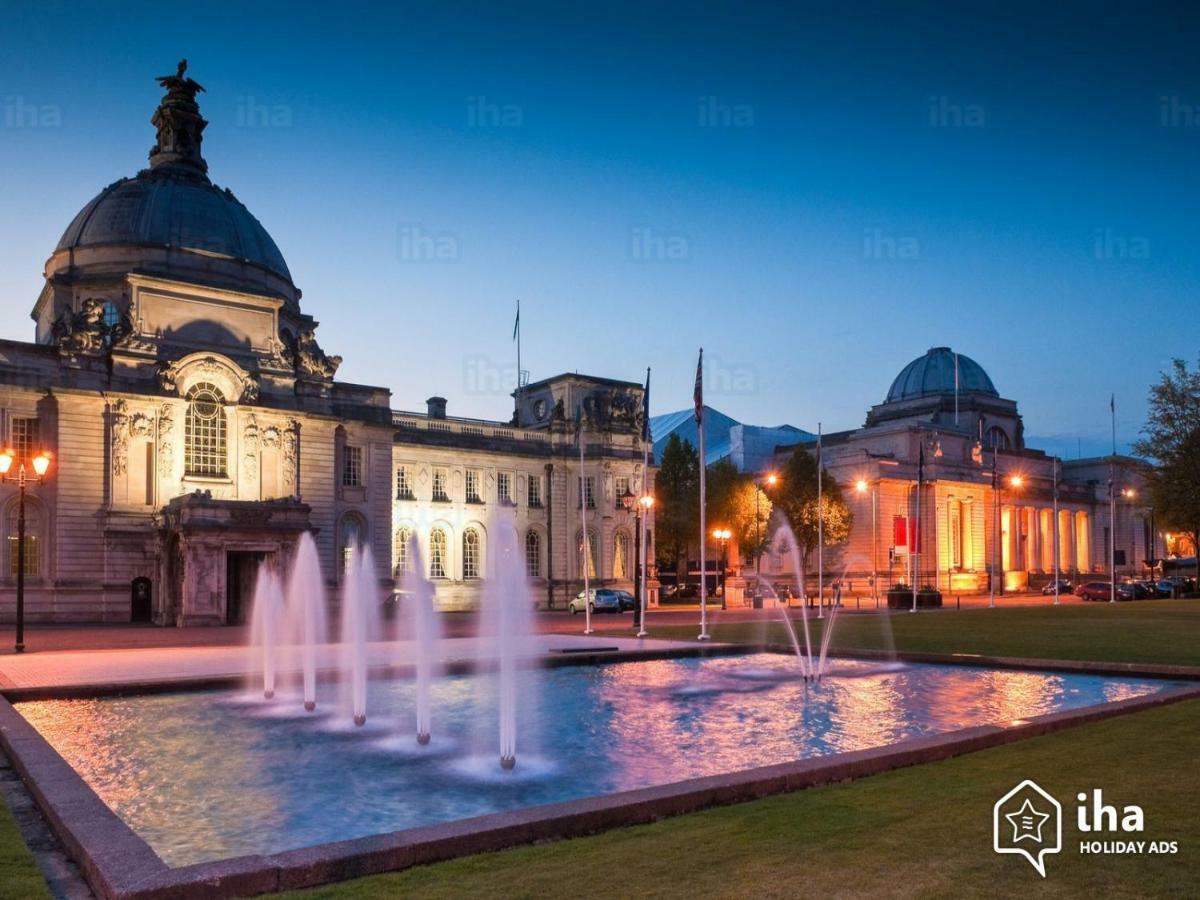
(645, 512)
(820, 529)
(699, 397)
(586, 551)
(955, 387)
(1112, 504)
(1056, 537)
(915, 543)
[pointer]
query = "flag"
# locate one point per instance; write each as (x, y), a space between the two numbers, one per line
(646, 408)
(1112, 403)
(698, 393)
(517, 322)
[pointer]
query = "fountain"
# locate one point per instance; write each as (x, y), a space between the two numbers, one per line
(305, 614)
(507, 621)
(360, 618)
(806, 659)
(424, 629)
(266, 624)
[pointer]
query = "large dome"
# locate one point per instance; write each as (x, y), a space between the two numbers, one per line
(933, 374)
(167, 209)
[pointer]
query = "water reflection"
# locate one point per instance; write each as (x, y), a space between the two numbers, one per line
(202, 777)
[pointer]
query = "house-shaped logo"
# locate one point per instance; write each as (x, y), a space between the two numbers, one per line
(1027, 821)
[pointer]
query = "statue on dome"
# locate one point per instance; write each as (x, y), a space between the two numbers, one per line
(178, 84)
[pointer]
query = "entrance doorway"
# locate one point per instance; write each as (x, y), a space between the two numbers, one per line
(140, 607)
(241, 568)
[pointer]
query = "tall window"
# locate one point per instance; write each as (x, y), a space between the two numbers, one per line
(587, 555)
(33, 547)
(504, 489)
(533, 554)
(352, 462)
(440, 479)
(350, 536)
(404, 483)
(437, 553)
(473, 495)
(589, 491)
(25, 439)
(621, 555)
(470, 553)
(620, 488)
(956, 529)
(403, 561)
(204, 435)
(535, 491)
(996, 438)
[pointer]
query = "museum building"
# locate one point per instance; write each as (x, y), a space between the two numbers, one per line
(196, 428)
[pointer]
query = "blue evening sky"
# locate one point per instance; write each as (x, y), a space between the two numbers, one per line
(814, 193)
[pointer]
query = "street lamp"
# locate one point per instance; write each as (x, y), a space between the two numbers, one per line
(641, 507)
(41, 464)
(770, 481)
(861, 487)
(722, 536)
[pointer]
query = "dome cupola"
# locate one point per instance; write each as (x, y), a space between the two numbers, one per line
(940, 371)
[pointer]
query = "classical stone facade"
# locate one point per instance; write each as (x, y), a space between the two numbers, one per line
(196, 427)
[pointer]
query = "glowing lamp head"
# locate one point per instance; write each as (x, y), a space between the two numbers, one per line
(1016, 481)
(41, 464)
(861, 486)
(647, 501)
(6, 461)
(772, 478)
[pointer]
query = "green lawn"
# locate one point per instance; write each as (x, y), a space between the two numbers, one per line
(918, 832)
(19, 875)
(1157, 631)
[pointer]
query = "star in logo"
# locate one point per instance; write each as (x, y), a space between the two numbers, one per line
(1027, 823)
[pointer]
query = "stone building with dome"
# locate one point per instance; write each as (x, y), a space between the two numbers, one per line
(196, 426)
(986, 500)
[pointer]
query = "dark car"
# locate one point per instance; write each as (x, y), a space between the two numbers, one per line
(1103, 590)
(1138, 590)
(627, 600)
(1064, 587)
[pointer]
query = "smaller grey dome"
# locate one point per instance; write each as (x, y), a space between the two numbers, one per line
(933, 374)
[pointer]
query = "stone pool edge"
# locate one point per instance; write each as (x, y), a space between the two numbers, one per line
(119, 864)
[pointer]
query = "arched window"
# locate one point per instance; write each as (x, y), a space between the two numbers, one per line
(403, 562)
(587, 557)
(620, 555)
(204, 435)
(33, 544)
(470, 552)
(350, 536)
(997, 439)
(437, 553)
(533, 554)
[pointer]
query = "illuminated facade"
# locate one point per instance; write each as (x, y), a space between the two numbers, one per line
(197, 429)
(964, 436)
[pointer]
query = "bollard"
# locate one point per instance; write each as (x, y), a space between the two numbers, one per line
(858, 602)
(958, 602)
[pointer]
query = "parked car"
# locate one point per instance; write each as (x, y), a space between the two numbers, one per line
(681, 592)
(1064, 587)
(1166, 587)
(599, 600)
(627, 600)
(1137, 590)
(1102, 590)
(1183, 584)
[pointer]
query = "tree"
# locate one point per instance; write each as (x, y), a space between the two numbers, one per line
(730, 498)
(796, 497)
(1172, 439)
(677, 508)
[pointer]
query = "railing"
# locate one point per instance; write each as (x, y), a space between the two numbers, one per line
(473, 427)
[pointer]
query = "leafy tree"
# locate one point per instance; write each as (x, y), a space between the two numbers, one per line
(796, 497)
(1171, 437)
(730, 503)
(677, 507)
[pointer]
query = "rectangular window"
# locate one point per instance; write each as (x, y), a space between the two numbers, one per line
(473, 495)
(620, 489)
(535, 491)
(504, 489)
(31, 555)
(589, 491)
(440, 480)
(352, 467)
(24, 439)
(404, 483)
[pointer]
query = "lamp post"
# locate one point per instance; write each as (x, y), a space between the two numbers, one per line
(722, 536)
(770, 481)
(861, 487)
(646, 502)
(41, 463)
(1130, 495)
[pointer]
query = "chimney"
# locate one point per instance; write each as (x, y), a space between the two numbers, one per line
(436, 407)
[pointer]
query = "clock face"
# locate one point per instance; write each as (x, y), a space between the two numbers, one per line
(539, 409)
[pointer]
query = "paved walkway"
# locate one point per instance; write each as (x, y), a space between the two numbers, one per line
(156, 664)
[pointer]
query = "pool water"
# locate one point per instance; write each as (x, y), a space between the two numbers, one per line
(211, 775)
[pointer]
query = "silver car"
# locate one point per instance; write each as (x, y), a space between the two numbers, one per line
(599, 600)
